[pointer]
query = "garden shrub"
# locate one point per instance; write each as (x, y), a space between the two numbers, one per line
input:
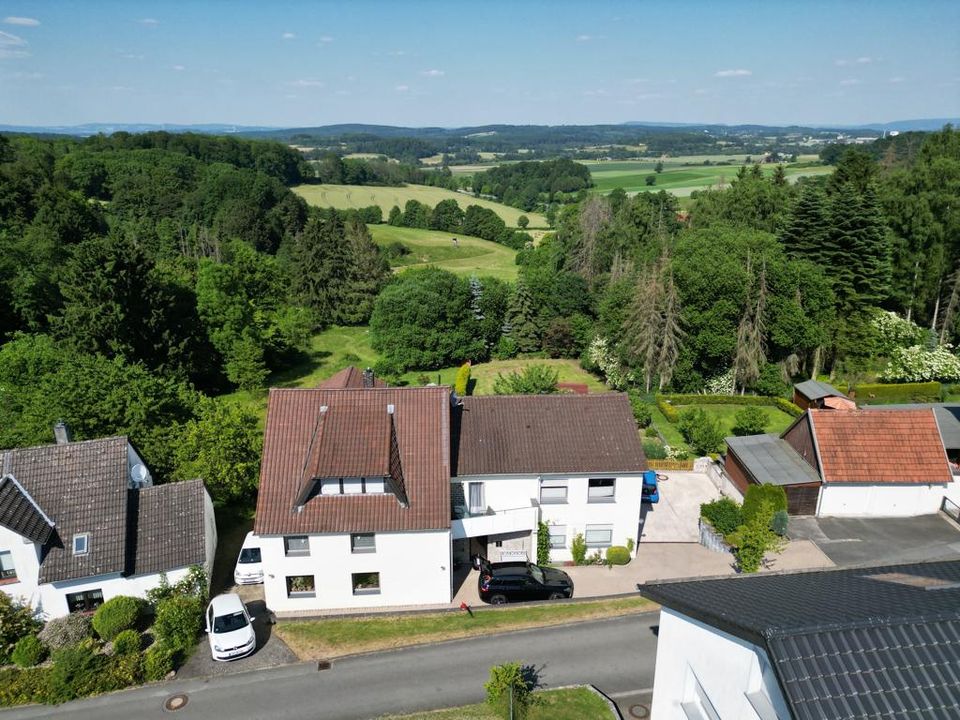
(725, 515)
(754, 539)
(700, 430)
(780, 522)
(66, 631)
(16, 621)
(158, 661)
(543, 543)
(751, 420)
(510, 687)
(462, 381)
(617, 555)
(116, 615)
(20, 687)
(127, 642)
(630, 545)
(578, 549)
(868, 393)
(918, 364)
(654, 450)
(651, 432)
(125, 669)
(78, 671)
(178, 621)
(758, 494)
(788, 407)
(642, 412)
(667, 403)
(29, 651)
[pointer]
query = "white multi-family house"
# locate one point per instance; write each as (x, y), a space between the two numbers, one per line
(81, 522)
(369, 495)
(574, 462)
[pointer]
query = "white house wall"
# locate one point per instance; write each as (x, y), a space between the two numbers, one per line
(726, 668)
(503, 493)
(887, 500)
(26, 562)
(53, 596)
(414, 569)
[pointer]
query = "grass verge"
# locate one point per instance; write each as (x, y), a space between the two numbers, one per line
(565, 704)
(335, 637)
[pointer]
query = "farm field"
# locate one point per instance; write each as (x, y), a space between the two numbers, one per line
(678, 179)
(472, 256)
(357, 196)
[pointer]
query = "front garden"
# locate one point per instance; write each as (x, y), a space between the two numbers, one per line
(127, 641)
(753, 529)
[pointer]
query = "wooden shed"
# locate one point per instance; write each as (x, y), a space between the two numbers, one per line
(762, 459)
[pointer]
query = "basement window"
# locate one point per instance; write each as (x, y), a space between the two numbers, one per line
(81, 543)
(366, 583)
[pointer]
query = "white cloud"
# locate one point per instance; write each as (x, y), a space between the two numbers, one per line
(849, 82)
(896, 79)
(148, 21)
(841, 62)
(178, 68)
(433, 73)
(864, 60)
(8, 40)
(589, 38)
(288, 36)
(402, 88)
(733, 73)
(326, 39)
(12, 46)
(22, 21)
(306, 82)
(131, 56)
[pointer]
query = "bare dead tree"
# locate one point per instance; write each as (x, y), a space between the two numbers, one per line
(594, 217)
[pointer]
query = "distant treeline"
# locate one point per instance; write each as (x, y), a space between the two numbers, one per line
(335, 170)
(532, 185)
(893, 151)
(448, 216)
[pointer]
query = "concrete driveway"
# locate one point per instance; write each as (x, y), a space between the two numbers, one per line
(880, 541)
(676, 517)
(271, 650)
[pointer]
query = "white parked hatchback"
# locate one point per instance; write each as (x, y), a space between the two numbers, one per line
(229, 628)
(249, 568)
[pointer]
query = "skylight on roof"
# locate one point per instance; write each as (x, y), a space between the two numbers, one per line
(81, 544)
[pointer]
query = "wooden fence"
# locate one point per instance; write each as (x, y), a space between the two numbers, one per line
(670, 464)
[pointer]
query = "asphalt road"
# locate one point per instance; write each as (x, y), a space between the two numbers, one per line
(616, 655)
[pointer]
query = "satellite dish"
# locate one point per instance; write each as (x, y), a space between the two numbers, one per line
(139, 473)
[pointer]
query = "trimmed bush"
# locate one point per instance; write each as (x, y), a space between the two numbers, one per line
(757, 494)
(20, 687)
(788, 407)
(78, 671)
(158, 661)
(462, 381)
(16, 621)
(178, 621)
(127, 642)
(116, 615)
(879, 393)
(724, 514)
(617, 555)
(29, 651)
(578, 549)
(66, 631)
(780, 522)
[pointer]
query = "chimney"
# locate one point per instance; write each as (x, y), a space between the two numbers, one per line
(368, 378)
(61, 431)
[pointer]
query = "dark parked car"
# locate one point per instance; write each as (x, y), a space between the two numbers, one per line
(518, 581)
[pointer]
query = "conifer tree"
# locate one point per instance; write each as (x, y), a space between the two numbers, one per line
(521, 319)
(806, 232)
(320, 266)
(368, 273)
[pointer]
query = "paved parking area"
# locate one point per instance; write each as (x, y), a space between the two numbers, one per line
(880, 541)
(676, 517)
(271, 650)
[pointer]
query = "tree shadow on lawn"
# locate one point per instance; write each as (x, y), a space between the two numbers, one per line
(300, 365)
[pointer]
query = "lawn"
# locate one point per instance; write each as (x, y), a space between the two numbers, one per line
(471, 256)
(777, 422)
(565, 704)
(484, 375)
(357, 196)
(335, 637)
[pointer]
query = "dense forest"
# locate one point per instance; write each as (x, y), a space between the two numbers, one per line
(143, 278)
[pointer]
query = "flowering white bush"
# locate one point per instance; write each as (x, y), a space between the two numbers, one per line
(896, 332)
(675, 453)
(602, 355)
(917, 364)
(721, 384)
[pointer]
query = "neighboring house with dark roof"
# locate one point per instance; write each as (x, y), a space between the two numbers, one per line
(878, 463)
(369, 495)
(81, 522)
(816, 394)
(881, 642)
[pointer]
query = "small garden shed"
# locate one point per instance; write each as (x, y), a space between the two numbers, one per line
(759, 459)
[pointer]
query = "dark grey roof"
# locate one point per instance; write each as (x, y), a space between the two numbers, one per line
(532, 434)
(770, 459)
(948, 419)
(21, 514)
(814, 389)
(881, 642)
(170, 527)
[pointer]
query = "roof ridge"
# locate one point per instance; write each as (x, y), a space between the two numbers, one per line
(773, 633)
(72, 443)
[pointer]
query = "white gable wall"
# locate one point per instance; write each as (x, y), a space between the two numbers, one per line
(26, 561)
(697, 661)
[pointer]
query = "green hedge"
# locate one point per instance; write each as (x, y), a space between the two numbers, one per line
(20, 687)
(880, 393)
(617, 555)
(668, 403)
(724, 514)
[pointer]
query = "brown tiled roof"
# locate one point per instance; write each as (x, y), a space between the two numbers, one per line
(355, 436)
(82, 487)
(877, 446)
(170, 527)
(349, 377)
(21, 514)
(533, 434)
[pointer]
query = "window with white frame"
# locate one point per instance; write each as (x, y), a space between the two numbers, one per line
(558, 537)
(366, 583)
(598, 536)
(601, 490)
(363, 543)
(296, 545)
(81, 543)
(553, 492)
(7, 571)
(352, 486)
(301, 586)
(475, 500)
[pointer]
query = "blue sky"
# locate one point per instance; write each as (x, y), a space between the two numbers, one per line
(456, 63)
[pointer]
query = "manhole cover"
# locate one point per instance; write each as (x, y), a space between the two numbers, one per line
(639, 711)
(175, 702)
